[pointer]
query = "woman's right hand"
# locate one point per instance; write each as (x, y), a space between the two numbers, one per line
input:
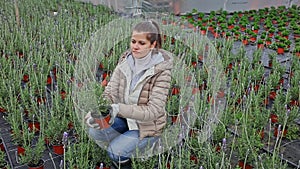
(113, 113)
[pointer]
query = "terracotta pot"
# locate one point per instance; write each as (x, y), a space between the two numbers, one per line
(39, 166)
(193, 132)
(238, 101)
(49, 80)
(221, 94)
(268, 43)
(230, 26)
(195, 90)
(203, 86)
(175, 90)
(41, 100)
(63, 94)
(20, 150)
(245, 42)
(256, 87)
(34, 126)
(194, 159)
(281, 81)
(266, 101)
(210, 100)
(101, 66)
(104, 82)
(58, 149)
(104, 166)
(190, 25)
(194, 64)
(2, 148)
(223, 34)
(103, 121)
(270, 63)
(104, 74)
(291, 74)
(79, 85)
(47, 141)
(25, 78)
(255, 31)
(276, 130)
(216, 35)
(294, 102)
(244, 166)
(252, 39)
(260, 46)
(272, 95)
(200, 58)
(274, 118)
(218, 148)
(230, 66)
(174, 118)
(280, 50)
(2, 110)
(270, 35)
(70, 125)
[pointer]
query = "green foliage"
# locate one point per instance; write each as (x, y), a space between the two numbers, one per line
(98, 153)
(293, 132)
(173, 103)
(54, 129)
(103, 104)
(21, 135)
(3, 161)
(248, 145)
(78, 155)
(33, 154)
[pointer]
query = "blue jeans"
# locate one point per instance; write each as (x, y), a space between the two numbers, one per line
(122, 142)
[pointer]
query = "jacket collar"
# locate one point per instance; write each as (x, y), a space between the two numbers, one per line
(167, 64)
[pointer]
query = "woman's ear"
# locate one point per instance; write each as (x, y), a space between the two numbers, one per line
(153, 45)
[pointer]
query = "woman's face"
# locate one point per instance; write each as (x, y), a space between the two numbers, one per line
(140, 46)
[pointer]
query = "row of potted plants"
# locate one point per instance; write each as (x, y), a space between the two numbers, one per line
(245, 26)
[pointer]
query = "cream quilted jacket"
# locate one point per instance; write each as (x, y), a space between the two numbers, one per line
(149, 112)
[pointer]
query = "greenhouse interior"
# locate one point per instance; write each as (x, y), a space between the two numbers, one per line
(232, 100)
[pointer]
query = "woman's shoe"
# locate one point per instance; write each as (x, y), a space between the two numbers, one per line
(122, 165)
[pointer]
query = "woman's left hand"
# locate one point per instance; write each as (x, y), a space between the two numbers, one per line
(113, 113)
(90, 121)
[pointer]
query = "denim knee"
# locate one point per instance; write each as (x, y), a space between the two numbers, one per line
(116, 157)
(97, 134)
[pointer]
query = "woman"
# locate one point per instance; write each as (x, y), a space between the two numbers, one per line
(138, 89)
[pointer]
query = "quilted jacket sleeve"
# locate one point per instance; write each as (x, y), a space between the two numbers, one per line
(111, 90)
